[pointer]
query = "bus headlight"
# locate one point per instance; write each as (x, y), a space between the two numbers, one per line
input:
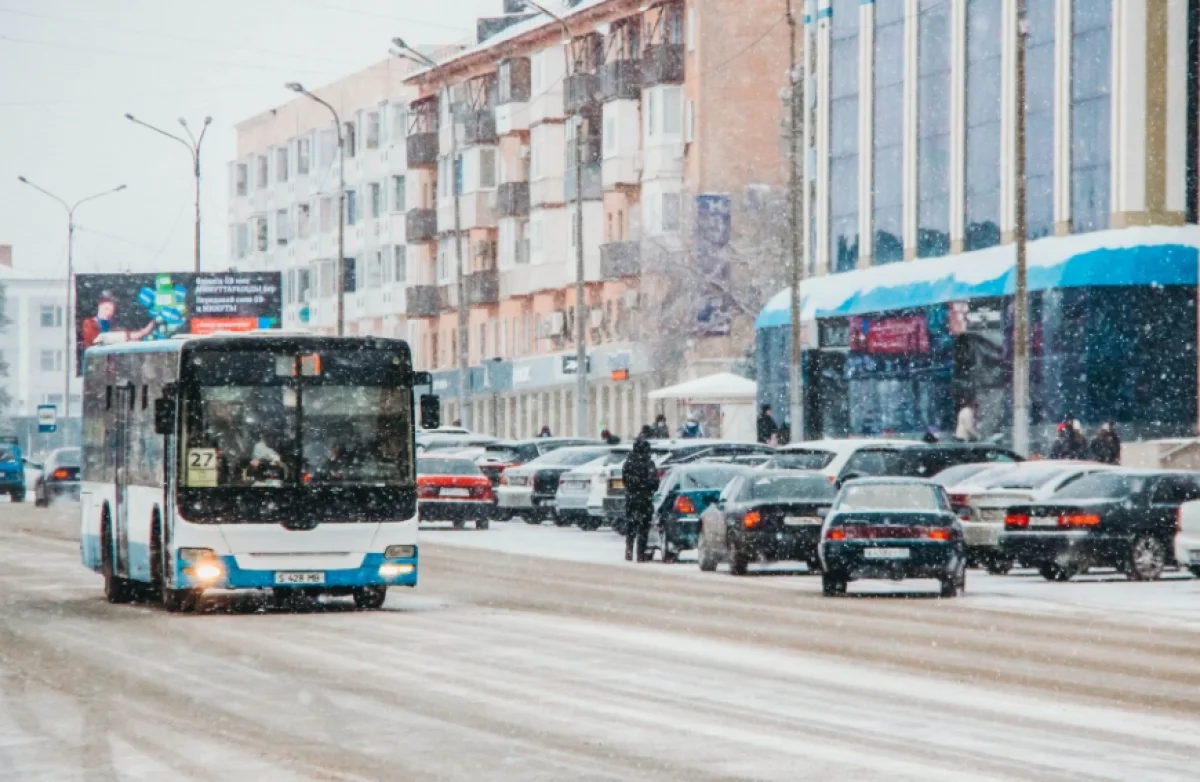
(191, 556)
(400, 552)
(393, 569)
(207, 572)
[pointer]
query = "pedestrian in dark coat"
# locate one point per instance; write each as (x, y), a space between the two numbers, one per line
(660, 430)
(640, 476)
(1106, 445)
(768, 430)
(1070, 443)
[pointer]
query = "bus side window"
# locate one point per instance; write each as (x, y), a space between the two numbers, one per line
(108, 397)
(145, 397)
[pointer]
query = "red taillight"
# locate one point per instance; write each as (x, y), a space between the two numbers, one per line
(60, 474)
(483, 492)
(752, 519)
(661, 473)
(1016, 520)
(832, 478)
(836, 533)
(685, 506)
(959, 500)
(1075, 520)
(938, 533)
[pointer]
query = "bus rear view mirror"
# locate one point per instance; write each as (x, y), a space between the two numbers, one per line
(164, 416)
(422, 379)
(431, 411)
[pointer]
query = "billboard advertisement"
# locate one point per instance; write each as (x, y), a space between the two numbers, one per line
(111, 308)
(712, 235)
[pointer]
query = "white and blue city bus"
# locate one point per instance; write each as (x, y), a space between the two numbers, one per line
(263, 460)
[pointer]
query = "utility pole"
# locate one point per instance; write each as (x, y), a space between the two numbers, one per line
(1020, 369)
(68, 319)
(581, 362)
(193, 149)
(298, 88)
(796, 107)
(460, 278)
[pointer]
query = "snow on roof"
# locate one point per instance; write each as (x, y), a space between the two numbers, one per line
(1129, 256)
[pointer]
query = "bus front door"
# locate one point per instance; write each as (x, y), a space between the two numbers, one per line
(123, 399)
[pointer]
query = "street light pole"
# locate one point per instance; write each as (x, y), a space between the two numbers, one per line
(298, 88)
(581, 363)
(68, 319)
(1020, 370)
(193, 149)
(795, 106)
(460, 281)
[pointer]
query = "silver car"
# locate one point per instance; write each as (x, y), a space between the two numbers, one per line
(574, 489)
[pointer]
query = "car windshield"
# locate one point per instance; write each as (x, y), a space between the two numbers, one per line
(791, 488)
(1102, 486)
(67, 457)
(568, 457)
(803, 460)
(446, 467)
(891, 497)
(509, 454)
(6, 455)
(708, 477)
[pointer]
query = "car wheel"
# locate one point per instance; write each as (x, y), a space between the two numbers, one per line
(459, 524)
(1054, 572)
(533, 519)
(669, 556)
(589, 525)
(116, 589)
(482, 524)
(370, 598)
(739, 560)
(1195, 570)
(18, 495)
(814, 566)
(1000, 565)
(1147, 558)
(833, 584)
(707, 559)
(560, 521)
(949, 586)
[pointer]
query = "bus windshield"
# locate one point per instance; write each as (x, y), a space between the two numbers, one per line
(333, 421)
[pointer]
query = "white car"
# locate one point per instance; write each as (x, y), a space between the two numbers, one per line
(1187, 539)
(828, 457)
(529, 490)
(983, 501)
(575, 489)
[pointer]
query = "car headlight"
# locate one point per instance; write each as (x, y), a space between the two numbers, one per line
(192, 556)
(400, 552)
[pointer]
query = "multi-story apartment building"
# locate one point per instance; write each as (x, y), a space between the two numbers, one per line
(671, 103)
(910, 211)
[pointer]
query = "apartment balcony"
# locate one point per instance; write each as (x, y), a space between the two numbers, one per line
(420, 225)
(512, 199)
(581, 90)
(620, 259)
(480, 127)
(621, 80)
(475, 211)
(662, 64)
(422, 149)
(483, 287)
(424, 301)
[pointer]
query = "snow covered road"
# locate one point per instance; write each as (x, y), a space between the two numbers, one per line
(535, 654)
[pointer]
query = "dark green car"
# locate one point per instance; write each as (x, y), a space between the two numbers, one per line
(684, 493)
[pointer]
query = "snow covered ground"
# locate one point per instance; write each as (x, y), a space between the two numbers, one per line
(1174, 601)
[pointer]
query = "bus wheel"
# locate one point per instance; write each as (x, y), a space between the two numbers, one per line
(370, 598)
(180, 601)
(116, 589)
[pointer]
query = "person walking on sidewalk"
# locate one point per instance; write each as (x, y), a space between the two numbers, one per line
(640, 475)
(768, 430)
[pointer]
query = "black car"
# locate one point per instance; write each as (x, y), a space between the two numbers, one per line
(500, 455)
(893, 528)
(529, 490)
(921, 460)
(59, 478)
(764, 516)
(1122, 519)
(683, 495)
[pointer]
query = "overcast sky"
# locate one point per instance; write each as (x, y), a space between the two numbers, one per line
(73, 68)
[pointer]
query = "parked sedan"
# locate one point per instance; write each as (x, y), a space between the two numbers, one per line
(765, 517)
(982, 503)
(683, 495)
(529, 490)
(453, 490)
(59, 478)
(499, 456)
(844, 460)
(575, 488)
(1187, 540)
(893, 528)
(1125, 519)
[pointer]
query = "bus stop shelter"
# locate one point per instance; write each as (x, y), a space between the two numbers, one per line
(724, 402)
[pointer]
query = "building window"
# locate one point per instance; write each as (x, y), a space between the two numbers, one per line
(243, 240)
(399, 195)
(1039, 121)
(984, 68)
(328, 278)
(349, 139)
(843, 145)
(1091, 113)
(328, 141)
(400, 262)
(52, 361)
(351, 207)
(672, 105)
(54, 399)
(261, 234)
(350, 276)
(302, 156)
(372, 121)
(610, 135)
(651, 113)
(399, 122)
(282, 228)
(326, 214)
(888, 143)
(242, 174)
(376, 195)
(281, 164)
(670, 212)
(50, 316)
(375, 271)
(933, 129)
(303, 220)
(487, 168)
(260, 175)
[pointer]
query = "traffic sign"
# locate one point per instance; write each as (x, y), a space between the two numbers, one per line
(47, 418)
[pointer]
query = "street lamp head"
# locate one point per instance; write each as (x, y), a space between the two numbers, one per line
(22, 179)
(129, 117)
(119, 188)
(400, 44)
(207, 121)
(183, 122)
(294, 86)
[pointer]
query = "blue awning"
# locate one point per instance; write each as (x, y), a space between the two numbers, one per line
(1125, 257)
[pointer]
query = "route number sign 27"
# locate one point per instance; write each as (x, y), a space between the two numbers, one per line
(202, 467)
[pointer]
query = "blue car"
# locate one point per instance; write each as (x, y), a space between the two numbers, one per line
(682, 497)
(12, 469)
(893, 528)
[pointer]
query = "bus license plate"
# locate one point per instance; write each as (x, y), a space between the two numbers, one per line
(885, 553)
(299, 578)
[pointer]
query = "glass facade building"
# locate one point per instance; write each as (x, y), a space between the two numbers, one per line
(843, 135)
(933, 128)
(888, 146)
(1091, 113)
(985, 45)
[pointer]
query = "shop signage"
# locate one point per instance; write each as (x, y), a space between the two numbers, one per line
(571, 362)
(905, 335)
(833, 333)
